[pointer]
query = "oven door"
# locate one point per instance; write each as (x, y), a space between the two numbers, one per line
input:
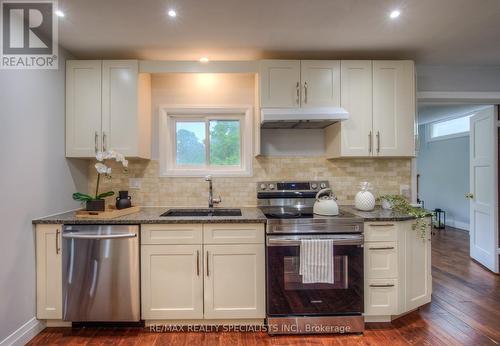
(287, 295)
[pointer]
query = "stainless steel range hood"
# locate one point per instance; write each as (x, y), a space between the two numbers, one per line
(301, 118)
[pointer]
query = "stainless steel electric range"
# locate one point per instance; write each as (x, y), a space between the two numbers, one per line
(294, 307)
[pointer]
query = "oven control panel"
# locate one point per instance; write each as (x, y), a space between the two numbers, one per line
(314, 185)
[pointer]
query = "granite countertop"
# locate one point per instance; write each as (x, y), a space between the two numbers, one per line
(248, 215)
(152, 215)
(378, 214)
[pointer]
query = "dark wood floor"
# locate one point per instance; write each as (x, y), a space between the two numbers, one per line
(465, 310)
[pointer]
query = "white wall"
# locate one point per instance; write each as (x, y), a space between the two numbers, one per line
(458, 78)
(444, 176)
(35, 180)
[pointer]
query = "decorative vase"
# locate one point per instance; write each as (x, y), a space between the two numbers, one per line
(386, 204)
(364, 199)
(123, 200)
(96, 205)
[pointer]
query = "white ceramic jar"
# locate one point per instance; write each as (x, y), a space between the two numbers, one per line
(364, 199)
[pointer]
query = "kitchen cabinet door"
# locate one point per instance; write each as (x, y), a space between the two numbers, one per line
(171, 282)
(280, 83)
(83, 108)
(353, 137)
(48, 272)
(394, 108)
(320, 83)
(234, 281)
(381, 297)
(123, 106)
(417, 252)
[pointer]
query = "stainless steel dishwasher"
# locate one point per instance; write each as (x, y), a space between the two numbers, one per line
(100, 273)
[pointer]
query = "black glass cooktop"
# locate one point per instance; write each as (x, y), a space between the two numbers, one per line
(295, 213)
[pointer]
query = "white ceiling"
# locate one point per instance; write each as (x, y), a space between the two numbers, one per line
(429, 31)
(431, 112)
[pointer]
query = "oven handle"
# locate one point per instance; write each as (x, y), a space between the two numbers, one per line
(295, 241)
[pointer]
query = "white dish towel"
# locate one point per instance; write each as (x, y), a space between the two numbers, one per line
(316, 261)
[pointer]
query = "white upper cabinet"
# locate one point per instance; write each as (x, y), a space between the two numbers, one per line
(108, 107)
(280, 83)
(394, 108)
(353, 137)
(380, 99)
(320, 83)
(83, 108)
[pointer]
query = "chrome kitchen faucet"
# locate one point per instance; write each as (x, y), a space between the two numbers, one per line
(211, 199)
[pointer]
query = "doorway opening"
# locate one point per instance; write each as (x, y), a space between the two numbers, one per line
(456, 171)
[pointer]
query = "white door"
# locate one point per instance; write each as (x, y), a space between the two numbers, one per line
(320, 83)
(484, 188)
(83, 108)
(171, 282)
(394, 108)
(356, 91)
(48, 272)
(120, 106)
(280, 83)
(234, 281)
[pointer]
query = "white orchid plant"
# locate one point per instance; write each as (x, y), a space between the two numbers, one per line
(101, 169)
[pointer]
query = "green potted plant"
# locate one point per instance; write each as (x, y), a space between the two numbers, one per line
(97, 202)
(400, 204)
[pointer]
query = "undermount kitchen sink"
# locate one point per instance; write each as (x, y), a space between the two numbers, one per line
(201, 212)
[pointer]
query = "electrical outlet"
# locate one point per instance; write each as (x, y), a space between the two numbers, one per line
(404, 190)
(134, 183)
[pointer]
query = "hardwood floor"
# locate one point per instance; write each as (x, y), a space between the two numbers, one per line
(465, 310)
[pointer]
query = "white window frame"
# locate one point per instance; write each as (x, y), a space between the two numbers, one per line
(169, 114)
(454, 135)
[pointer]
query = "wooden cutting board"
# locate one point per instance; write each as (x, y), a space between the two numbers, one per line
(110, 213)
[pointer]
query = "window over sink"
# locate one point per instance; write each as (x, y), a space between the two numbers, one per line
(195, 141)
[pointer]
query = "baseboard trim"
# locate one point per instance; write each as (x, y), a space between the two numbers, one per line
(24, 333)
(457, 224)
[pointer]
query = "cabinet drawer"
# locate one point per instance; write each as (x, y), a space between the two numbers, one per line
(171, 234)
(380, 231)
(381, 297)
(381, 260)
(234, 233)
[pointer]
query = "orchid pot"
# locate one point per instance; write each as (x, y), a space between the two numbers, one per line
(97, 202)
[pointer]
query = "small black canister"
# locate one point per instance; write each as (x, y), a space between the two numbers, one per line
(123, 200)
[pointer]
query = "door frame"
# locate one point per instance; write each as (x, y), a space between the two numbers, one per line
(452, 97)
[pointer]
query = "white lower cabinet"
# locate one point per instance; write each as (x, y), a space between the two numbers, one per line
(397, 268)
(234, 281)
(216, 271)
(172, 282)
(48, 272)
(381, 297)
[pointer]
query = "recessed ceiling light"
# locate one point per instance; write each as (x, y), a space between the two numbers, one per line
(172, 13)
(395, 14)
(204, 59)
(59, 13)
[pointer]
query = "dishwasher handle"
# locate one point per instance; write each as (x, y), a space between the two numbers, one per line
(74, 235)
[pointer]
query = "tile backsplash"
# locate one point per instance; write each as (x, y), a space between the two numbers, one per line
(344, 175)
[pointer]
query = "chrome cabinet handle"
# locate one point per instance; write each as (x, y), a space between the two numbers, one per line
(57, 241)
(297, 87)
(305, 92)
(378, 142)
(208, 272)
(382, 225)
(381, 286)
(96, 140)
(198, 262)
(382, 248)
(104, 141)
(370, 142)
